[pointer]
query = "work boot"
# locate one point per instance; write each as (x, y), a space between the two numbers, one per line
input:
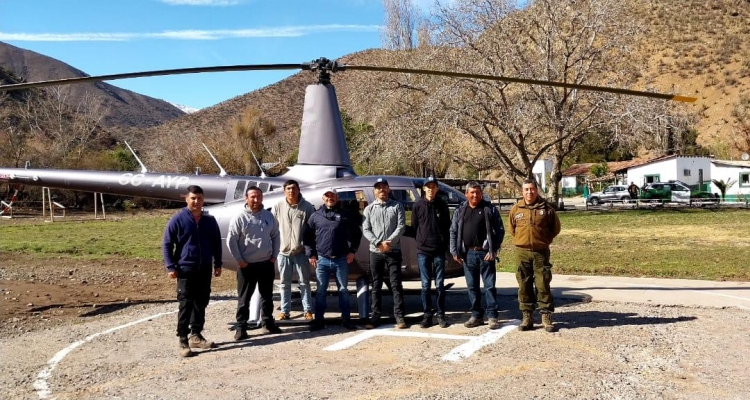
(528, 321)
(348, 325)
(185, 347)
(317, 325)
(473, 322)
(240, 333)
(401, 323)
(547, 322)
(271, 328)
(426, 322)
(373, 322)
(494, 323)
(309, 316)
(197, 341)
(282, 316)
(442, 322)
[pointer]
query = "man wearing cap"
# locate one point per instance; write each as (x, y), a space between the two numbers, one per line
(475, 237)
(431, 222)
(333, 241)
(293, 215)
(384, 223)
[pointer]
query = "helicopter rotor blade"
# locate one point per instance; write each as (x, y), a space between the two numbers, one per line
(629, 92)
(178, 71)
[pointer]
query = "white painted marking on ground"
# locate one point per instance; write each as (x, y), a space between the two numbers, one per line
(349, 342)
(477, 342)
(40, 384)
(461, 352)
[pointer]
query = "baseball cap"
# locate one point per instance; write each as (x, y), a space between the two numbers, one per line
(330, 190)
(379, 181)
(431, 179)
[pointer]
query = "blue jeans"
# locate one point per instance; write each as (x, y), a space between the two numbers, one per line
(474, 268)
(340, 269)
(287, 265)
(432, 267)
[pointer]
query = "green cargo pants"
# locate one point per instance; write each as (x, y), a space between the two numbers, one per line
(534, 274)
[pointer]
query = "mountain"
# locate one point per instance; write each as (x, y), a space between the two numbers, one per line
(185, 109)
(122, 108)
(691, 47)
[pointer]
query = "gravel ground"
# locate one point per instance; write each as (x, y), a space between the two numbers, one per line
(602, 351)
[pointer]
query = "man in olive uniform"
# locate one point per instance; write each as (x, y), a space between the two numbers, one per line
(533, 225)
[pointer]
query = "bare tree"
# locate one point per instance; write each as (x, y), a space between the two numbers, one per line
(569, 41)
(400, 22)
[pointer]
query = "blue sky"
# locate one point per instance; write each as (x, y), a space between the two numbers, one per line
(114, 36)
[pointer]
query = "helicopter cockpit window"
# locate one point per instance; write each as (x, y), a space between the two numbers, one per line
(239, 190)
(354, 200)
(405, 196)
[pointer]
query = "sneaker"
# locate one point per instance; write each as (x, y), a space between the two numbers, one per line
(271, 328)
(282, 316)
(309, 316)
(347, 324)
(426, 322)
(240, 333)
(185, 348)
(401, 324)
(316, 326)
(442, 322)
(197, 341)
(494, 323)
(473, 322)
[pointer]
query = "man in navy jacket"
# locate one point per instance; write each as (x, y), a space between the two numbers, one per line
(192, 241)
(334, 237)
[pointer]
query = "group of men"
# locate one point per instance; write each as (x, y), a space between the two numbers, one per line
(295, 236)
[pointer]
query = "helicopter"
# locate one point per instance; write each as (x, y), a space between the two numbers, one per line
(323, 161)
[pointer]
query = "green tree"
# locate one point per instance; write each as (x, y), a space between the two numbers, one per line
(723, 186)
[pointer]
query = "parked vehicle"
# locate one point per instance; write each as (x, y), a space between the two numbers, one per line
(675, 192)
(611, 193)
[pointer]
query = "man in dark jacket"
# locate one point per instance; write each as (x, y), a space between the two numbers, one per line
(192, 240)
(333, 241)
(431, 222)
(476, 235)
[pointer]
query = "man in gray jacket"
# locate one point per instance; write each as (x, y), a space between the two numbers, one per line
(253, 240)
(292, 216)
(384, 223)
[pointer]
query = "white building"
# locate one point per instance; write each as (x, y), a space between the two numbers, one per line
(541, 170)
(732, 171)
(693, 170)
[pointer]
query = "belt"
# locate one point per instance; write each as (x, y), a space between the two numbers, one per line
(475, 248)
(333, 257)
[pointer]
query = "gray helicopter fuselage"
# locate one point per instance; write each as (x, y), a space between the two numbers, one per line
(356, 193)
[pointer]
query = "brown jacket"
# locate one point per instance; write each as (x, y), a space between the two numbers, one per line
(533, 226)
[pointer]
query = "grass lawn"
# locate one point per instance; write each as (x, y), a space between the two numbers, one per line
(686, 243)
